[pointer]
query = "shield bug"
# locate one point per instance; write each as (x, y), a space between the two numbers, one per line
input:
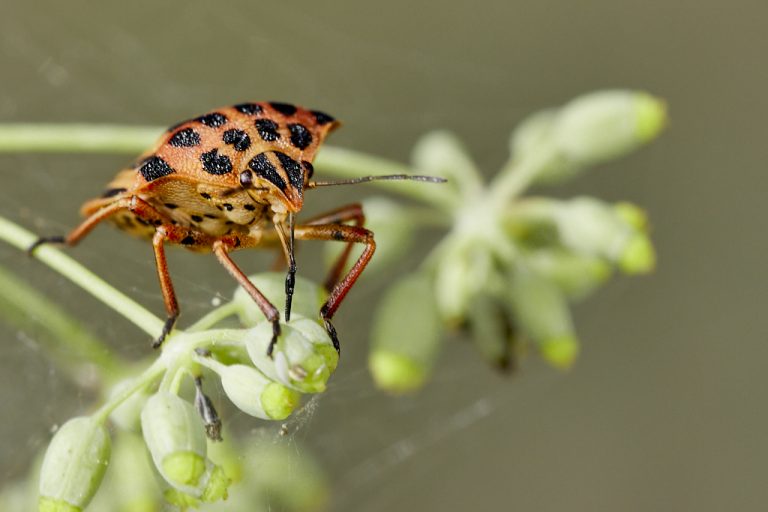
(234, 178)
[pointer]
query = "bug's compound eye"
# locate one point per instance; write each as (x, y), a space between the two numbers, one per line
(246, 179)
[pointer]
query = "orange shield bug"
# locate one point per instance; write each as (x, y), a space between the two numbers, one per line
(234, 178)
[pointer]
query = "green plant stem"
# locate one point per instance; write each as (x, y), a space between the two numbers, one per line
(516, 176)
(76, 138)
(214, 316)
(81, 276)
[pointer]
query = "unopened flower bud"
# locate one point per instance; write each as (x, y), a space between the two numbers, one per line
(176, 439)
(255, 394)
(607, 124)
(542, 313)
(74, 465)
(406, 336)
(303, 358)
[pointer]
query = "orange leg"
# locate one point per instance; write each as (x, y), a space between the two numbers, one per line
(147, 212)
(221, 249)
(341, 233)
(351, 212)
(166, 286)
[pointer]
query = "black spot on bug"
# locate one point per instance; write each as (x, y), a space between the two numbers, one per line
(237, 243)
(284, 108)
(250, 109)
(171, 206)
(205, 195)
(111, 192)
(238, 138)
(292, 169)
(188, 240)
(300, 136)
(263, 168)
(174, 222)
(322, 118)
(142, 221)
(157, 222)
(213, 163)
(196, 218)
(267, 129)
(155, 167)
(229, 223)
(309, 168)
(210, 216)
(218, 207)
(185, 138)
(212, 120)
(337, 235)
(228, 207)
(249, 207)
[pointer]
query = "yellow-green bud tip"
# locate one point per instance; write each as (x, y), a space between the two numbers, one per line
(184, 467)
(395, 372)
(560, 352)
(639, 256)
(632, 215)
(651, 116)
(53, 505)
(279, 401)
(217, 486)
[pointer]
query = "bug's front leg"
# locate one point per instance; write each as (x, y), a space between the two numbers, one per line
(340, 233)
(221, 250)
(166, 286)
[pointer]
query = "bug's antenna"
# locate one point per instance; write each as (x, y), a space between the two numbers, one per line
(290, 277)
(380, 177)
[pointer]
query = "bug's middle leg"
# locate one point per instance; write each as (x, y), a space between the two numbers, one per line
(221, 249)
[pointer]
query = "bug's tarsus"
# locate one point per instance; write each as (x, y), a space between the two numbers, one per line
(275, 336)
(56, 239)
(167, 328)
(380, 177)
(331, 330)
(207, 412)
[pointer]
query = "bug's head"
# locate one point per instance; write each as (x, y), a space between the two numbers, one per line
(276, 178)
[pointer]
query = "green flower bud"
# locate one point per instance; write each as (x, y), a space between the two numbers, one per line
(406, 336)
(308, 297)
(639, 256)
(606, 124)
(129, 486)
(575, 274)
(592, 228)
(560, 352)
(303, 358)
(176, 439)
(74, 465)
(464, 270)
(255, 394)
(588, 130)
(542, 313)
(214, 486)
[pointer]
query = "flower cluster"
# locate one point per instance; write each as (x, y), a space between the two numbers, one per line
(509, 264)
(177, 432)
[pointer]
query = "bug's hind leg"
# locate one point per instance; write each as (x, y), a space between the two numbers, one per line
(221, 249)
(77, 234)
(340, 233)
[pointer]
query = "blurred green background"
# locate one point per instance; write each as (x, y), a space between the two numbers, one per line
(663, 411)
